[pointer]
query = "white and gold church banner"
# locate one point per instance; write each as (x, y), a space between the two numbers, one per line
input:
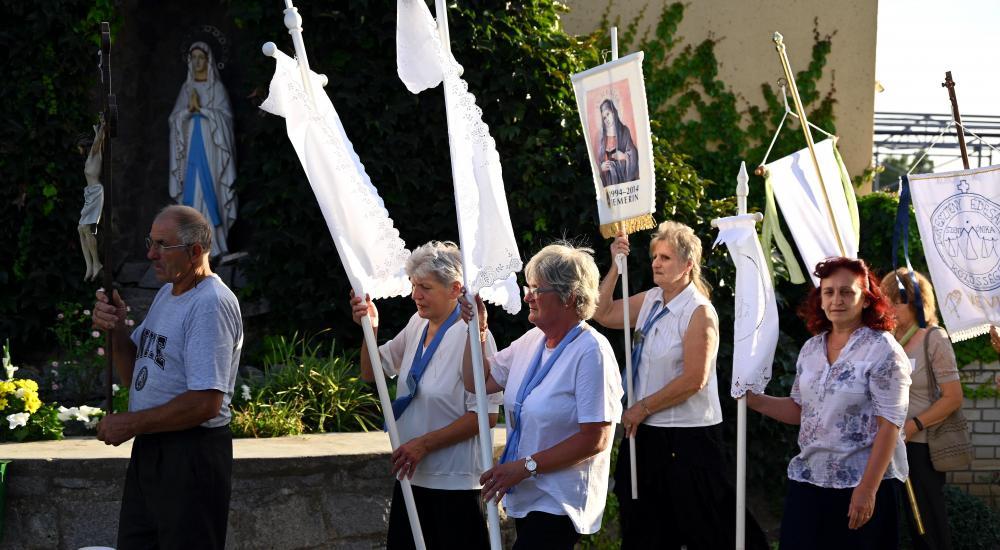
(958, 214)
(611, 99)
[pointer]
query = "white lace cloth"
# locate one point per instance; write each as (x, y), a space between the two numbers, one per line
(489, 251)
(755, 323)
(367, 242)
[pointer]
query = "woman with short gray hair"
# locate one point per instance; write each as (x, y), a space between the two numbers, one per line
(683, 497)
(435, 415)
(563, 398)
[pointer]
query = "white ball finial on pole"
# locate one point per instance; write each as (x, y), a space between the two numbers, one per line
(269, 49)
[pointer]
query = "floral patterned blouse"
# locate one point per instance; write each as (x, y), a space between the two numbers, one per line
(840, 403)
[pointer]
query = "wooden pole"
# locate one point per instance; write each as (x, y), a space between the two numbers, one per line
(800, 111)
(950, 84)
(110, 116)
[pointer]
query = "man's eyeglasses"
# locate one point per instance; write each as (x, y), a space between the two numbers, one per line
(159, 246)
(536, 291)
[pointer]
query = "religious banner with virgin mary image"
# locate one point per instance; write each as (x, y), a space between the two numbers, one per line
(612, 102)
(958, 214)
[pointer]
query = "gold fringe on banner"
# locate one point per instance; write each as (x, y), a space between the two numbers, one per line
(630, 225)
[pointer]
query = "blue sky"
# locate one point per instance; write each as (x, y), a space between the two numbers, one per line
(918, 40)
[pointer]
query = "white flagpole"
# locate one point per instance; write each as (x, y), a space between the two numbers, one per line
(479, 379)
(742, 190)
(622, 262)
(293, 21)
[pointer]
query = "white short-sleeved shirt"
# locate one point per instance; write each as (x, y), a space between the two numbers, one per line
(840, 403)
(663, 360)
(583, 386)
(188, 342)
(442, 399)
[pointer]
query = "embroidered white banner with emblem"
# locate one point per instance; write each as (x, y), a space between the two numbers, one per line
(958, 214)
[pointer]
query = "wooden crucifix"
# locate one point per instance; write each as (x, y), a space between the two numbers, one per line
(109, 114)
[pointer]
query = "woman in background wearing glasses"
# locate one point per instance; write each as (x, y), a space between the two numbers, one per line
(562, 398)
(684, 495)
(849, 400)
(435, 415)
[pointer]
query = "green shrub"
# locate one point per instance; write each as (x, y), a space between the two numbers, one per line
(973, 525)
(304, 390)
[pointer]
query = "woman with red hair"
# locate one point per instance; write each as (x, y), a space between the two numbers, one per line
(849, 398)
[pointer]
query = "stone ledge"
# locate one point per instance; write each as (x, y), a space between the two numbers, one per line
(312, 491)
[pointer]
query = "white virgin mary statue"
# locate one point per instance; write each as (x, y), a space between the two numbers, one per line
(202, 152)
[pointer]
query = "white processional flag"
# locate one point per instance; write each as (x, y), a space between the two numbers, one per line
(368, 244)
(958, 214)
(489, 251)
(755, 319)
(792, 180)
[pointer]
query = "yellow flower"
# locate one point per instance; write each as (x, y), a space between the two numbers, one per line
(3, 403)
(26, 384)
(7, 387)
(32, 402)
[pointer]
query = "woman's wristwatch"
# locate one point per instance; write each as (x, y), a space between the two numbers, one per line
(531, 466)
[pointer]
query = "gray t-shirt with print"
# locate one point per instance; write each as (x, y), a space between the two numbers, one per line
(188, 342)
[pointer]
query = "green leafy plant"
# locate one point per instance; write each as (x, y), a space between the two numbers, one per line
(974, 526)
(304, 388)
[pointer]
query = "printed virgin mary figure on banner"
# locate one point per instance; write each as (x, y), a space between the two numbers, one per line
(202, 151)
(958, 214)
(612, 102)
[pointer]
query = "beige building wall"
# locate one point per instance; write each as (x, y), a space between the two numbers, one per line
(747, 57)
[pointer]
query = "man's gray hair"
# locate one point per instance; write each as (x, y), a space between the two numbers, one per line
(192, 227)
(571, 271)
(441, 260)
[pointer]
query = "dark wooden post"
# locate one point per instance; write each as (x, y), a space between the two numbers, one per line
(950, 84)
(109, 110)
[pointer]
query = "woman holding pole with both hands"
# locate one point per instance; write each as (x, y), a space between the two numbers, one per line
(849, 398)
(562, 397)
(434, 412)
(685, 498)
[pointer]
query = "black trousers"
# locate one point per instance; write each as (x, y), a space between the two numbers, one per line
(815, 518)
(448, 519)
(927, 487)
(545, 531)
(177, 489)
(685, 496)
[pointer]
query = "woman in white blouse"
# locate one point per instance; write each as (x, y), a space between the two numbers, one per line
(849, 398)
(684, 497)
(562, 399)
(435, 415)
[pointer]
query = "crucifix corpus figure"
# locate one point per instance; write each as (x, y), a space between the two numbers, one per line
(93, 201)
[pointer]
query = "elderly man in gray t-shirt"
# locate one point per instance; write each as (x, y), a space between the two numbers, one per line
(180, 366)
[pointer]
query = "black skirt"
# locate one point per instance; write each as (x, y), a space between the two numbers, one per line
(685, 496)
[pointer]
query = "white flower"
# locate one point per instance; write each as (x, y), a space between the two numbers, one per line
(19, 393)
(115, 388)
(7, 364)
(95, 334)
(129, 323)
(86, 312)
(90, 411)
(245, 389)
(60, 317)
(18, 419)
(100, 351)
(65, 415)
(55, 364)
(92, 423)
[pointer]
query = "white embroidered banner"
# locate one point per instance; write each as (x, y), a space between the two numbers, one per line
(368, 244)
(958, 214)
(611, 99)
(803, 205)
(755, 319)
(486, 236)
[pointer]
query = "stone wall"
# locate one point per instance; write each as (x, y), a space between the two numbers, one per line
(316, 491)
(982, 479)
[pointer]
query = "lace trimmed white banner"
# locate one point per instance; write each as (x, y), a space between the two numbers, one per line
(368, 244)
(755, 319)
(489, 250)
(958, 214)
